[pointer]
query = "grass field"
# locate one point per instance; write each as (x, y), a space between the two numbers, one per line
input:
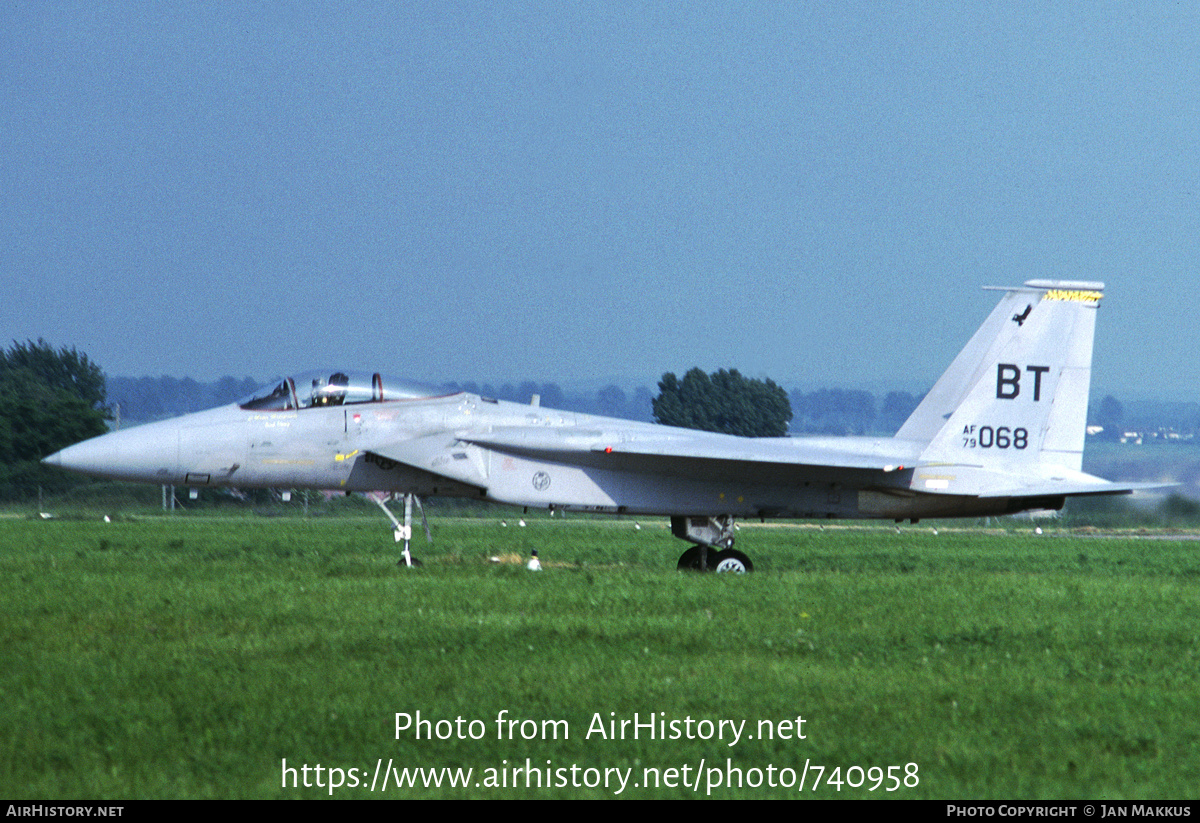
(190, 657)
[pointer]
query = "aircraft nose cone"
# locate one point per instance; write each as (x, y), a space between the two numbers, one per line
(141, 454)
(98, 456)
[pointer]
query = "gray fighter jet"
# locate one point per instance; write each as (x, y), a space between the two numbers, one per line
(1001, 432)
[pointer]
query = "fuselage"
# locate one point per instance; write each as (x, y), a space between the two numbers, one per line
(345, 448)
(1001, 431)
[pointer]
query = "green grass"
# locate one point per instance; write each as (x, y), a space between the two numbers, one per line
(188, 657)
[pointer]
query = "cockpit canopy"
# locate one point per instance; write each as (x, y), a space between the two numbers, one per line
(338, 388)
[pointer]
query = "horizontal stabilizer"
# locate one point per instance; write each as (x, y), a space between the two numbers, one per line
(985, 484)
(1074, 489)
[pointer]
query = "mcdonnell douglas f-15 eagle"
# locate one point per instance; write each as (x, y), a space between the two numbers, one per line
(1001, 432)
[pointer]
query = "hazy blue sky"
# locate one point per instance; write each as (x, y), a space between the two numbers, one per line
(812, 192)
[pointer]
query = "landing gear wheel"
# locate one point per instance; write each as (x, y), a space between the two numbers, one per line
(689, 561)
(415, 563)
(731, 561)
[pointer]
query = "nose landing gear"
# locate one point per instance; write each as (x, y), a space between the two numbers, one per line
(404, 532)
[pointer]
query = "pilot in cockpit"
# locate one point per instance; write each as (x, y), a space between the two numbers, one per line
(333, 393)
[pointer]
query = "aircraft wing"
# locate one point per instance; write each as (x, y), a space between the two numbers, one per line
(858, 462)
(629, 452)
(663, 451)
(775, 459)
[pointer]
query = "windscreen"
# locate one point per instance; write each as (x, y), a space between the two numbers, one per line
(334, 388)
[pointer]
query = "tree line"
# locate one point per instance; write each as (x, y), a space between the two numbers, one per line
(145, 399)
(609, 401)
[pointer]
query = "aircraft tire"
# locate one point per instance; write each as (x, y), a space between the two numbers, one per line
(731, 561)
(689, 561)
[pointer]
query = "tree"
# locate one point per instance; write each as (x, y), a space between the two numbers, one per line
(65, 369)
(723, 402)
(611, 400)
(1110, 415)
(49, 399)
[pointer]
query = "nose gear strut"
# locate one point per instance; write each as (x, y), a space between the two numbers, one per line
(404, 532)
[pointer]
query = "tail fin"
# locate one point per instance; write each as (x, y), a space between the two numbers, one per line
(1017, 394)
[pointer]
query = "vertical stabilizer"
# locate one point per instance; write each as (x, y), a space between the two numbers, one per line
(1017, 394)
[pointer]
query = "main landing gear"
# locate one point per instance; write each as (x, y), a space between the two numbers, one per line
(714, 550)
(404, 532)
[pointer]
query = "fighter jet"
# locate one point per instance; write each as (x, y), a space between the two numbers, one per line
(1001, 432)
